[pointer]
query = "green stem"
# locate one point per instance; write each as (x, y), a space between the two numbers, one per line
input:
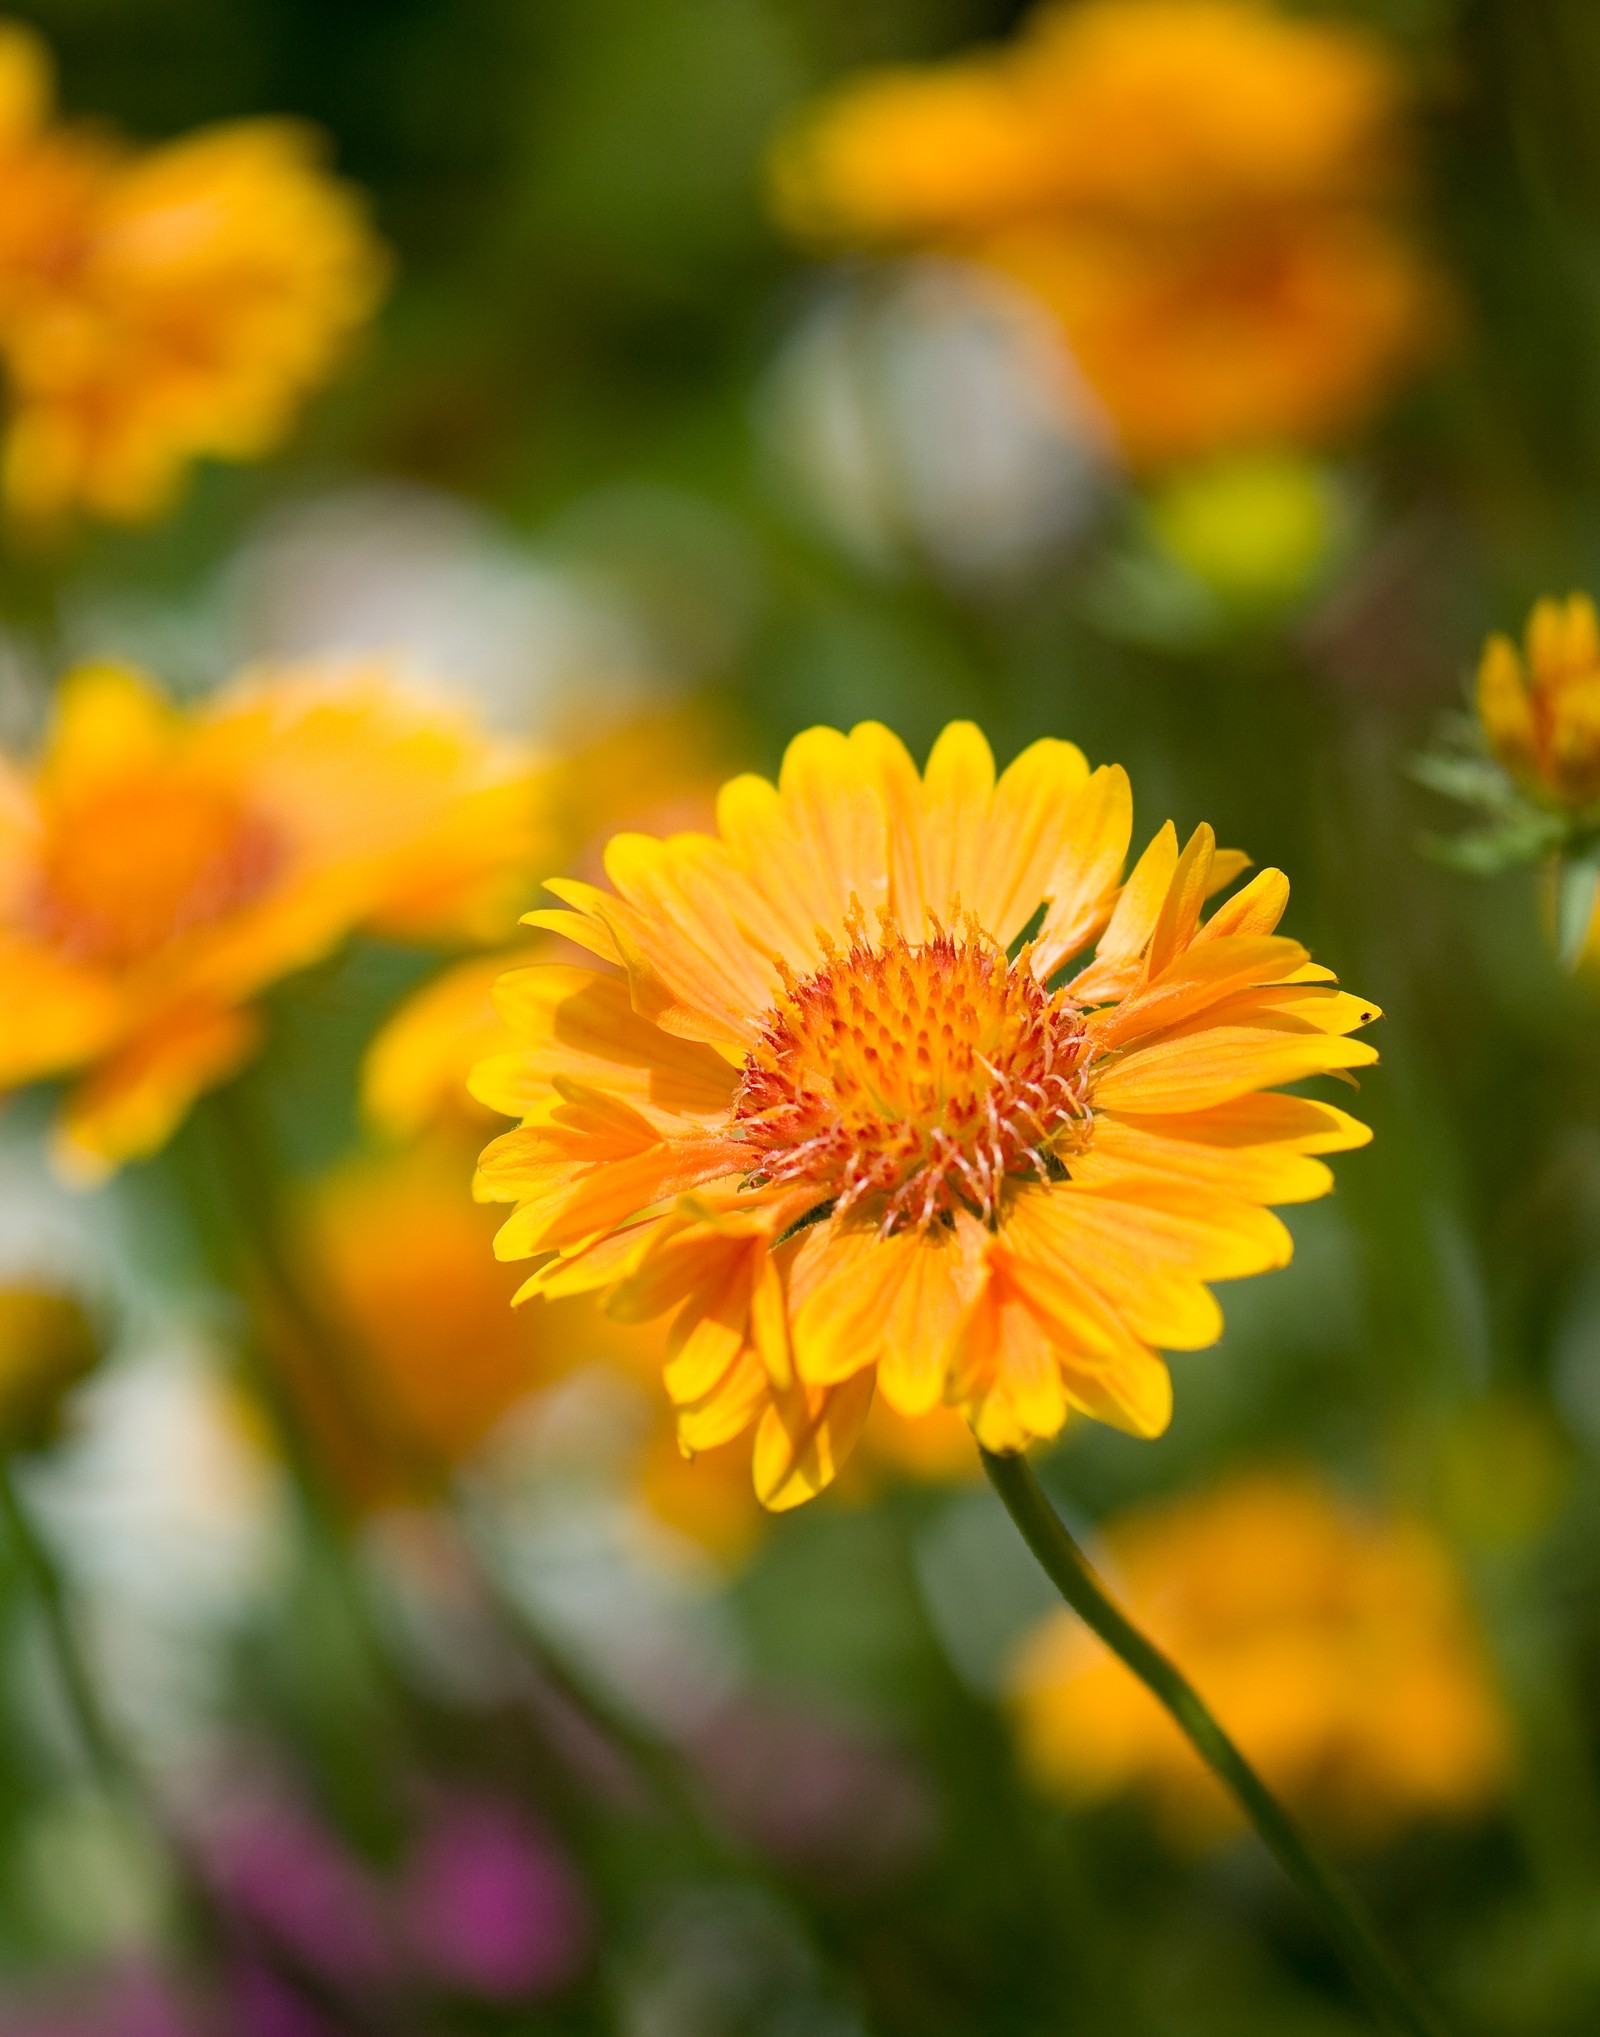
(111, 1764)
(1387, 1988)
(115, 1769)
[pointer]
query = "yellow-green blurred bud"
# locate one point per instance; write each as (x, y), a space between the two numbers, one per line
(1257, 528)
(47, 1345)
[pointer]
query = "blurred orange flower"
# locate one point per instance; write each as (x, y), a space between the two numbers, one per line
(160, 305)
(823, 1101)
(159, 867)
(1336, 1647)
(1207, 194)
(1540, 708)
(431, 1355)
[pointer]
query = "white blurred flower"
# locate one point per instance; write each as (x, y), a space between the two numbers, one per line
(929, 411)
(168, 1519)
(555, 1512)
(403, 571)
(389, 567)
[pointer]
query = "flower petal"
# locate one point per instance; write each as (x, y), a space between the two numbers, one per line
(804, 1437)
(893, 1302)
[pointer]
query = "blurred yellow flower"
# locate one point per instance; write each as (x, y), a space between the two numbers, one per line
(47, 1344)
(1206, 193)
(160, 305)
(1256, 528)
(1540, 708)
(422, 1355)
(652, 770)
(394, 1251)
(1336, 1648)
(823, 1101)
(159, 867)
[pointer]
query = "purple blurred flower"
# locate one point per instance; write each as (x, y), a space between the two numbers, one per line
(287, 1875)
(264, 2004)
(491, 1907)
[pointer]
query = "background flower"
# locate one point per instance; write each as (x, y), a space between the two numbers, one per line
(158, 869)
(1335, 1645)
(1206, 193)
(162, 305)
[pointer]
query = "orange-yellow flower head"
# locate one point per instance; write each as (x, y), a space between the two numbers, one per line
(163, 305)
(1205, 192)
(828, 1101)
(159, 868)
(1335, 1646)
(1540, 708)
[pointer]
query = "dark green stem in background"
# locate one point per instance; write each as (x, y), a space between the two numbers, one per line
(114, 1768)
(111, 1765)
(1389, 1991)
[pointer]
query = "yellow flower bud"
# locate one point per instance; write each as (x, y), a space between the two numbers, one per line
(1540, 708)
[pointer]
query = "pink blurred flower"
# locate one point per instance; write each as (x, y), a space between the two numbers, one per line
(490, 1907)
(287, 1875)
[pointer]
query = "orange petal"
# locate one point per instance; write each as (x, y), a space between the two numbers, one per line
(1215, 1063)
(891, 1302)
(132, 1103)
(1195, 982)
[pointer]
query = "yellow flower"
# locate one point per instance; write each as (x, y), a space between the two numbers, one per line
(1540, 710)
(161, 305)
(1336, 1648)
(160, 867)
(824, 1100)
(1205, 193)
(430, 1354)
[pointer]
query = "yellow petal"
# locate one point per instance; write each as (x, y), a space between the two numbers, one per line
(892, 1302)
(1505, 709)
(958, 786)
(1122, 945)
(1257, 909)
(1192, 1070)
(1082, 888)
(580, 1024)
(1180, 910)
(1017, 862)
(1195, 983)
(804, 1437)
(728, 1409)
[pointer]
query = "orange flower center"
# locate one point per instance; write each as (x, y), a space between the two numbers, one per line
(915, 1077)
(144, 859)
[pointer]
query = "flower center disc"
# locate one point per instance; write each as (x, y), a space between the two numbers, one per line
(915, 1077)
(145, 860)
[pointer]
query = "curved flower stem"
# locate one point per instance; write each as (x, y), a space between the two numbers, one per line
(1386, 1987)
